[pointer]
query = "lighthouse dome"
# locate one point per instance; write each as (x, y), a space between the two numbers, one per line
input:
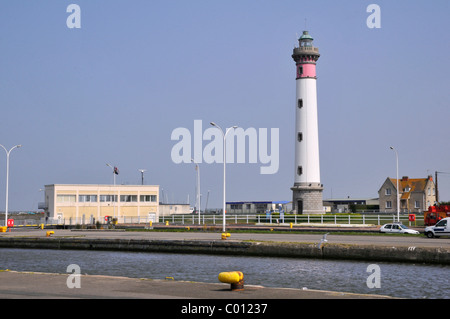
(306, 36)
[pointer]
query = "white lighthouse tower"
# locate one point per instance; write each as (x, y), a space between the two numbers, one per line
(307, 189)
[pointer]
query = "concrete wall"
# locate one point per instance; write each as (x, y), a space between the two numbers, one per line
(374, 253)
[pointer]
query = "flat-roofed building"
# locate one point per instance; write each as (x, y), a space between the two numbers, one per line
(259, 207)
(90, 203)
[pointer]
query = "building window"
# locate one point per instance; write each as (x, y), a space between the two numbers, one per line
(299, 170)
(300, 103)
(108, 198)
(300, 137)
(260, 208)
(66, 198)
(87, 198)
(429, 191)
(416, 204)
(148, 198)
(388, 192)
(128, 198)
(300, 71)
(389, 204)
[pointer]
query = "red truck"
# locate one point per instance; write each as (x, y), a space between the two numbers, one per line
(435, 214)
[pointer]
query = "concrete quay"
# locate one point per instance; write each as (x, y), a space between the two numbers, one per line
(26, 285)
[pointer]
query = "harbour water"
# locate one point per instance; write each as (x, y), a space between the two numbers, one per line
(397, 280)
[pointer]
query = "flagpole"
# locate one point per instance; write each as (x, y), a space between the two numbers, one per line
(115, 172)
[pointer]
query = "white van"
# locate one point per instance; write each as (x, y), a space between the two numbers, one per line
(442, 228)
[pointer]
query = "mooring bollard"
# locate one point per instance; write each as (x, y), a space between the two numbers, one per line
(234, 278)
(225, 235)
(50, 232)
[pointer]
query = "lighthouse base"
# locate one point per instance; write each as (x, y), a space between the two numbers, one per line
(307, 199)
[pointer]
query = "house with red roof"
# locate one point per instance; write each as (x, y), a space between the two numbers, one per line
(416, 194)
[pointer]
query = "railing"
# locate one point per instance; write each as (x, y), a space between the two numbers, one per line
(348, 219)
(217, 219)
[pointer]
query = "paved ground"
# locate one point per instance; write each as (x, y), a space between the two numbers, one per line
(49, 286)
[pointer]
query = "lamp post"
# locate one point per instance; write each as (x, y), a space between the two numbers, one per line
(224, 164)
(142, 170)
(114, 179)
(197, 195)
(398, 198)
(7, 179)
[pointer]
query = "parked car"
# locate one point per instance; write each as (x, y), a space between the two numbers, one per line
(397, 228)
(442, 228)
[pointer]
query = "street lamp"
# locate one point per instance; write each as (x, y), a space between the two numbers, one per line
(114, 178)
(142, 175)
(224, 162)
(398, 198)
(197, 195)
(7, 179)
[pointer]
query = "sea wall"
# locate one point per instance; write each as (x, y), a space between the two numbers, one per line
(374, 253)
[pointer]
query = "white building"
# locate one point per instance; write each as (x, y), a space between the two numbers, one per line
(89, 203)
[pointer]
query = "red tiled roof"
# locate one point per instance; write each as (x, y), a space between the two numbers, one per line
(415, 185)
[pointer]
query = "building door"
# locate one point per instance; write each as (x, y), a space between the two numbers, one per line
(152, 217)
(299, 207)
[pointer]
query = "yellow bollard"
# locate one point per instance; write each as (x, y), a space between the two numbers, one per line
(50, 232)
(234, 278)
(3, 229)
(224, 236)
(290, 225)
(228, 235)
(151, 223)
(41, 226)
(167, 223)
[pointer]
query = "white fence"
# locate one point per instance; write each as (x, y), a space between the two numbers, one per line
(217, 219)
(374, 219)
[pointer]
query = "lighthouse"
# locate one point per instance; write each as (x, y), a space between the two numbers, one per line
(307, 189)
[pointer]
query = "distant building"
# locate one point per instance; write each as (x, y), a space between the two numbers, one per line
(260, 207)
(416, 194)
(90, 203)
(345, 205)
(172, 209)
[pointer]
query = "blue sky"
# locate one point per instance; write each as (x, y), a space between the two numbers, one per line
(115, 89)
